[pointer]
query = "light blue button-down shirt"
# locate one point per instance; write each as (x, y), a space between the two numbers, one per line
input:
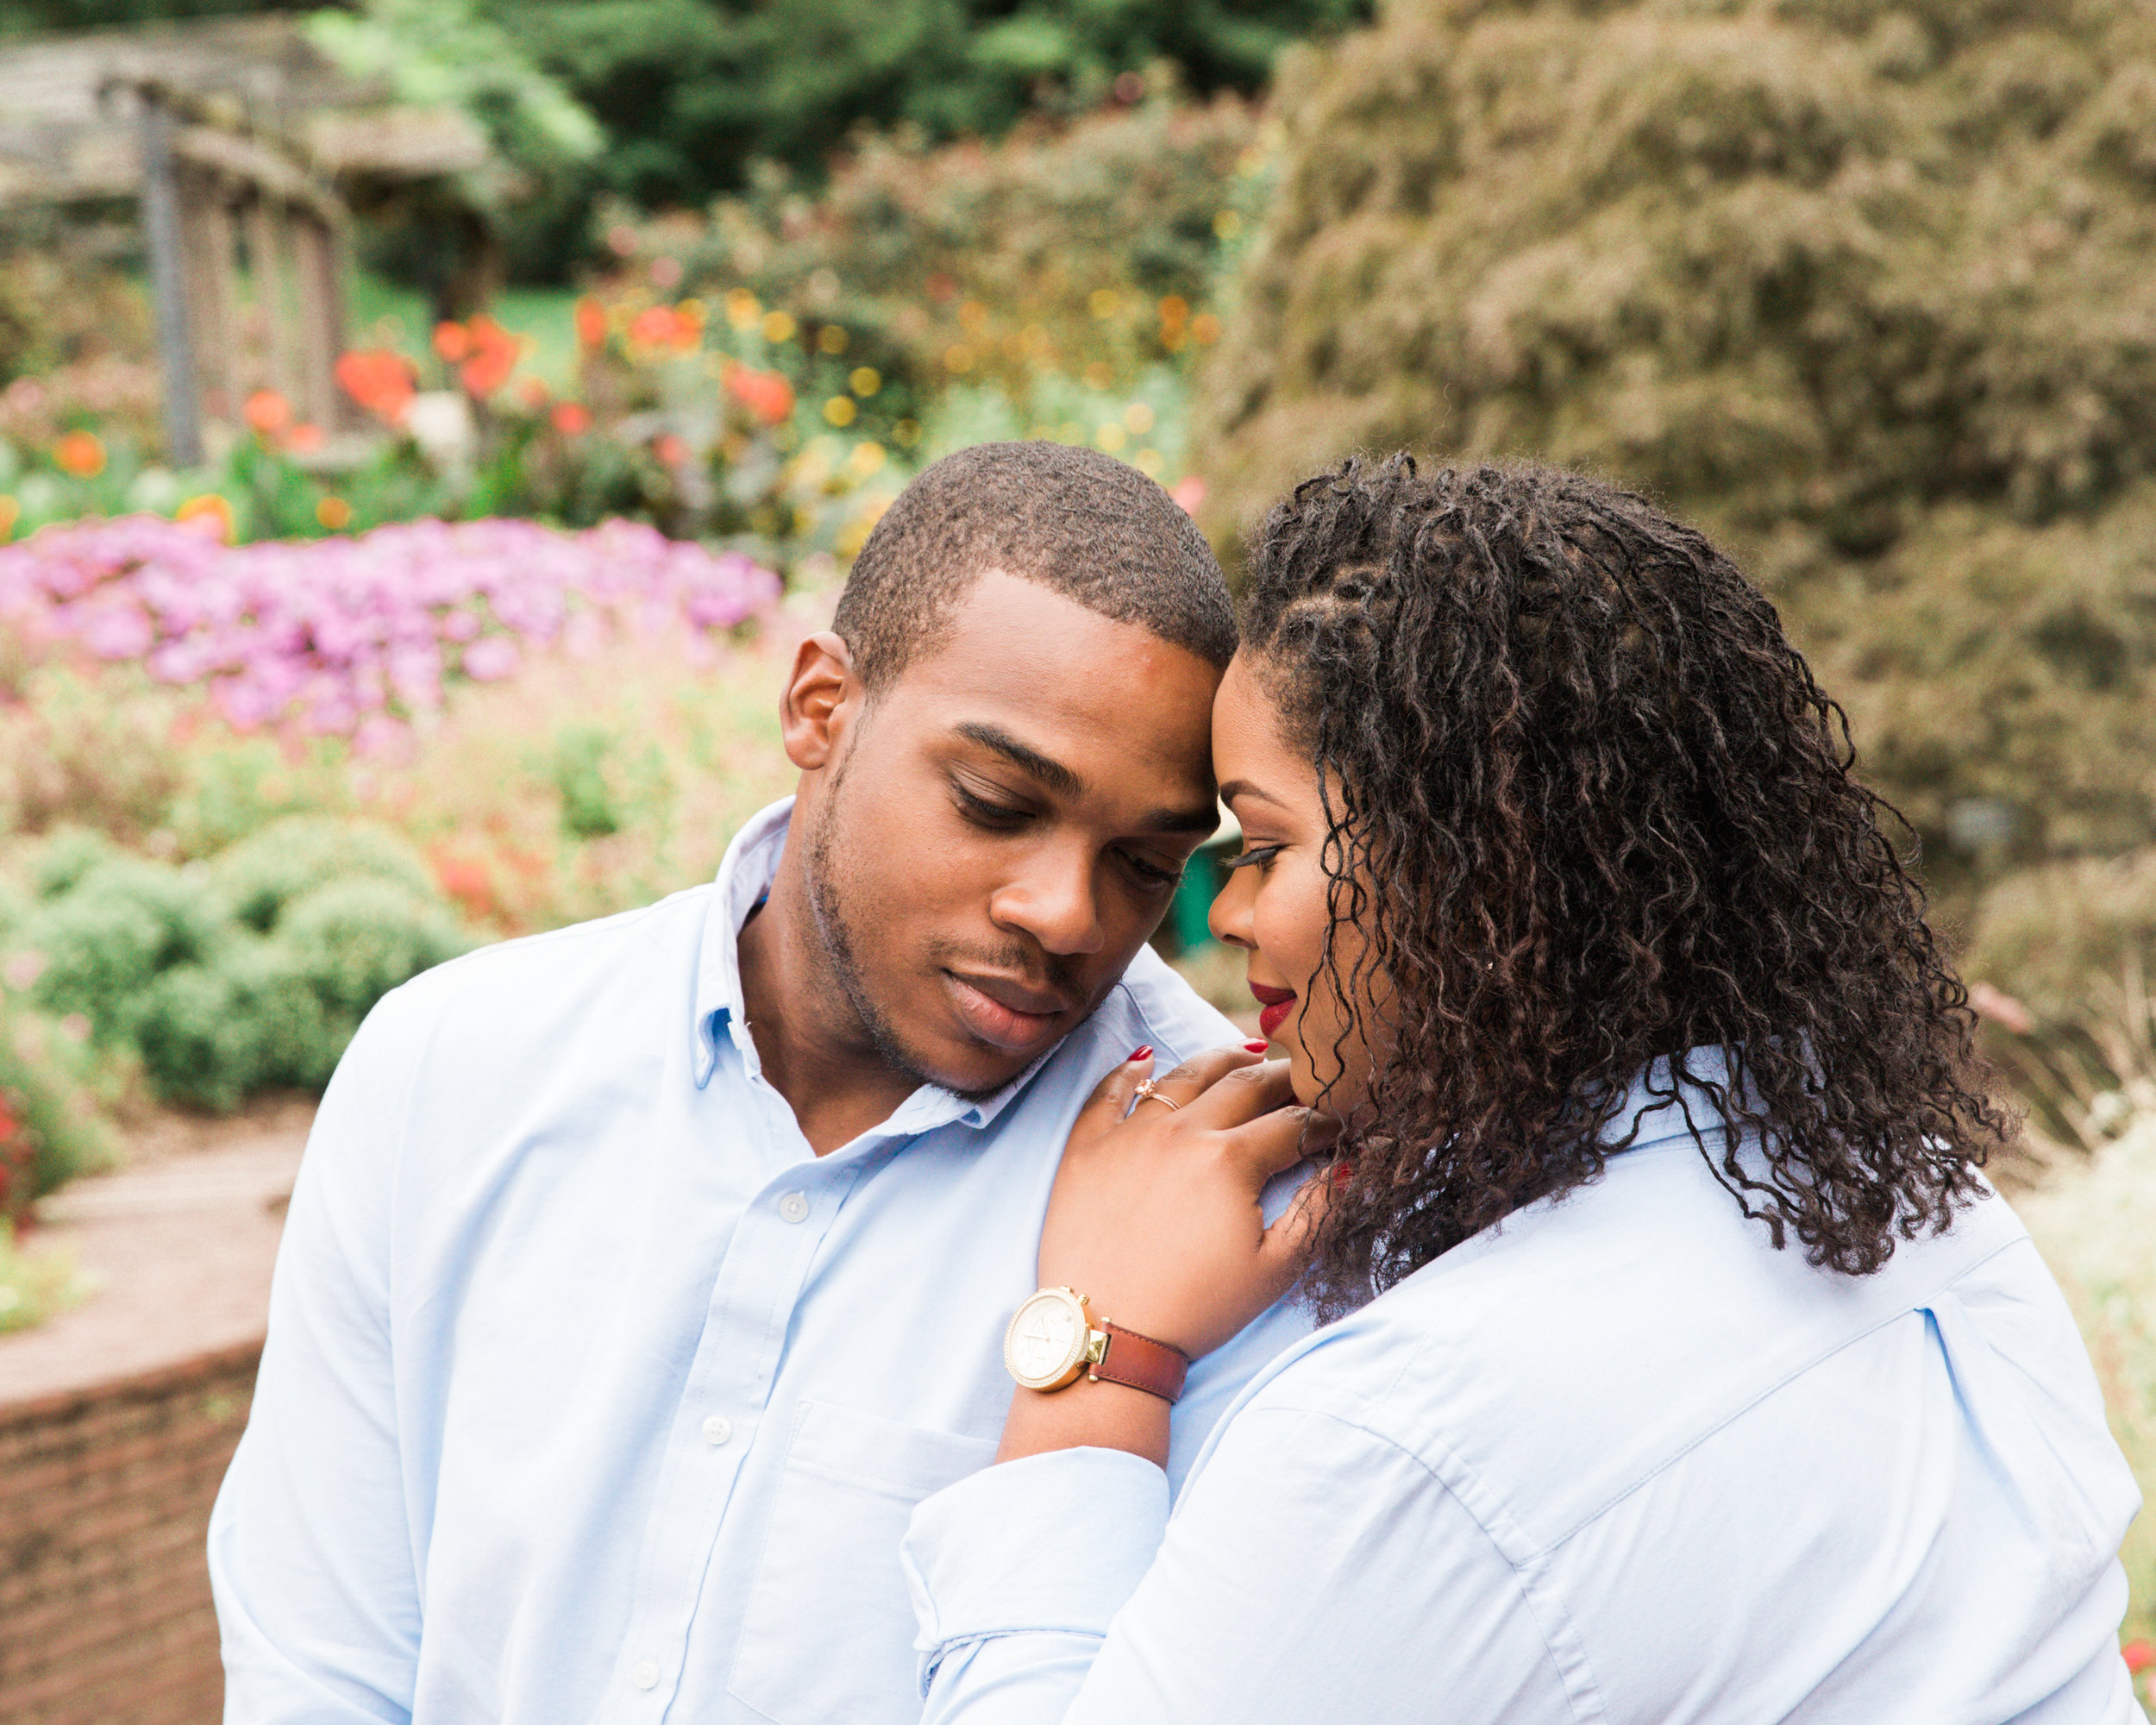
(591, 1393)
(1619, 1461)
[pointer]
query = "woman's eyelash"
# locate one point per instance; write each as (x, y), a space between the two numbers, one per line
(1264, 853)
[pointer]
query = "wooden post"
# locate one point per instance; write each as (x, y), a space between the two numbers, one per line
(318, 250)
(266, 244)
(168, 274)
(206, 230)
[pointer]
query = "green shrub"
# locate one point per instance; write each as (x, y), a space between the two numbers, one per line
(257, 878)
(2049, 935)
(247, 973)
(107, 937)
(67, 856)
(355, 939)
(48, 1131)
(1862, 287)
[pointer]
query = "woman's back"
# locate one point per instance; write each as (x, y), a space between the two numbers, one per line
(1620, 1459)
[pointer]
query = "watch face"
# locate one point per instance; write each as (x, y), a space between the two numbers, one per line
(1046, 1337)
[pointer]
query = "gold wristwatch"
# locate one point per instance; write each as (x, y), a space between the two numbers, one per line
(1051, 1341)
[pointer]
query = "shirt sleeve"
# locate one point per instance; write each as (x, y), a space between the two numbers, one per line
(310, 1543)
(1312, 1570)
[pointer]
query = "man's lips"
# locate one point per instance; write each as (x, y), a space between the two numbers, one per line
(1277, 1002)
(1003, 1013)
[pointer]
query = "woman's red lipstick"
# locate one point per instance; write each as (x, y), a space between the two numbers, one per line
(1277, 1003)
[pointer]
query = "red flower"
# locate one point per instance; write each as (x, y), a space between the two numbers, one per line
(765, 395)
(2140, 1656)
(571, 420)
(591, 321)
(380, 382)
(452, 342)
(670, 449)
(267, 412)
(493, 356)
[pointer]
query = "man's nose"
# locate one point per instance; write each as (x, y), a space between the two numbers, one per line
(1055, 900)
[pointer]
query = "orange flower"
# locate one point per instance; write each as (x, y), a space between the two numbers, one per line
(306, 437)
(209, 513)
(80, 453)
(766, 395)
(591, 321)
(334, 513)
(571, 420)
(670, 449)
(267, 413)
(380, 382)
(451, 341)
(532, 392)
(493, 356)
(2140, 1656)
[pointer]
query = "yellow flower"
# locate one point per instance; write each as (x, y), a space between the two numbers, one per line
(865, 381)
(839, 411)
(334, 513)
(779, 326)
(10, 512)
(831, 339)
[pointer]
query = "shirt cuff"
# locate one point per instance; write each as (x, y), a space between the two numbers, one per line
(1055, 1541)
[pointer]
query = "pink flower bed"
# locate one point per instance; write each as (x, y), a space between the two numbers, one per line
(354, 636)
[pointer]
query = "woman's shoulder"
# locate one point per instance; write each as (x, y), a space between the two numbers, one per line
(1547, 1366)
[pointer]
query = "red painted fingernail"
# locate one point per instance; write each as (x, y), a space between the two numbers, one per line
(1258, 1047)
(1341, 1174)
(1145, 1053)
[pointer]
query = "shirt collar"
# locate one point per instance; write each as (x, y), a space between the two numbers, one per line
(745, 874)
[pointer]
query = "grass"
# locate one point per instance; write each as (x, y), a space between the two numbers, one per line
(34, 1282)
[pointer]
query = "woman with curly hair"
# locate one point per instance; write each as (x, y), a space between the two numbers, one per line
(1685, 1366)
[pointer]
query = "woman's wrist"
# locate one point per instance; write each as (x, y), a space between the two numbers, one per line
(1091, 1414)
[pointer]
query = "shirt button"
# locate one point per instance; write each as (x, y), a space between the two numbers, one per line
(794, 1207)
(717, 1429)
(646, 1675)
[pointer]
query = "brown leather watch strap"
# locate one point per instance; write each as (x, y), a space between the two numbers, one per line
(1142, 1362)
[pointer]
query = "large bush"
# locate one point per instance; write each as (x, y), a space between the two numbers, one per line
(690, 91)
(247, 973)
(1863, 288)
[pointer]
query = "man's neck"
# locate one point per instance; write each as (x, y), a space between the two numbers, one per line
(815, 1051)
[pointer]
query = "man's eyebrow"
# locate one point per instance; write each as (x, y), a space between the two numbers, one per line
(1053, 774)
(1201, 821)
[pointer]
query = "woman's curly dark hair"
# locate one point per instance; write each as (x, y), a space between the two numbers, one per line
(1588, 807)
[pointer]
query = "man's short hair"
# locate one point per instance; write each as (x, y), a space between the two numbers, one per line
(1073, 519)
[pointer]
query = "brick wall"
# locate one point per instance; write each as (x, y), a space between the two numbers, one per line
(104, 1501)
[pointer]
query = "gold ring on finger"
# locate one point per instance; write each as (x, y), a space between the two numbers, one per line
(1147, 1093)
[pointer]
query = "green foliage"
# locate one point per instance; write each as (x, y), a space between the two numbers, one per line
(32, 17)
(249, 972)
(690, 91)
(1861, 287)
(33, 1284)
(2047, 933)
(48, 1130)
(256, 880)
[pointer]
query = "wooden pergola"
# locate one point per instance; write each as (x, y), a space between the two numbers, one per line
(240, 143)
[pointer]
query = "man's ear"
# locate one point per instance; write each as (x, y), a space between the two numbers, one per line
(820, 699)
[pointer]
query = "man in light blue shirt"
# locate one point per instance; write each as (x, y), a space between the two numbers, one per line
(642, 1276)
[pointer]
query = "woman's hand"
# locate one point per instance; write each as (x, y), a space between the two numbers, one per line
(1157, 1217)
(1158, 1220)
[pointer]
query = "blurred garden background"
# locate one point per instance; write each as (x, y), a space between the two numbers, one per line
(469, 623)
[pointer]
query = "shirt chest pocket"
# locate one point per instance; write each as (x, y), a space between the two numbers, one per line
(828, 1636)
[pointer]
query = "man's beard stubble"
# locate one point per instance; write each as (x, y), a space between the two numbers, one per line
(835, 933)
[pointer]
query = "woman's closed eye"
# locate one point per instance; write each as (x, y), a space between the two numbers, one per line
(1259, 854)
